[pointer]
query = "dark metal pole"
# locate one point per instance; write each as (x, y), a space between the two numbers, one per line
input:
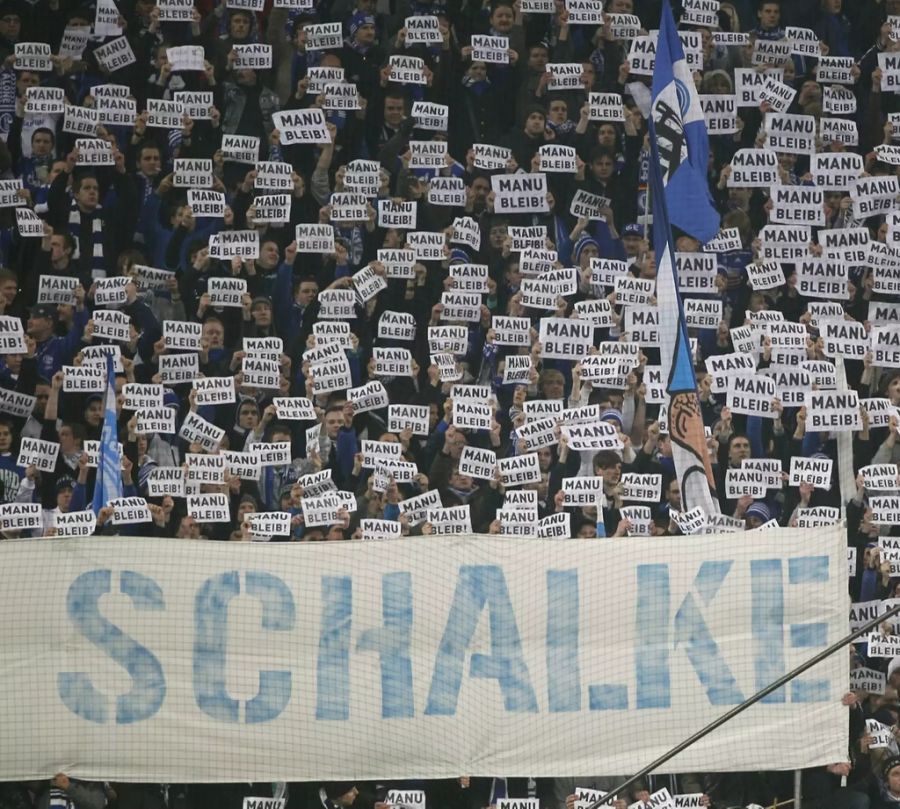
(747, 703)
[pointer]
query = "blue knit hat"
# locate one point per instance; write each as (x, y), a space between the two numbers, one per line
(584, 241)
(458, 254)
(761, 510)
(360, 19)
(613, 414)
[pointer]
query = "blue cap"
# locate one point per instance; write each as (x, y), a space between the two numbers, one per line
(458, 254)
(633, 229)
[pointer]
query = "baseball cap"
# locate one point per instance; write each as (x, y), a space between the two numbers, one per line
(261, 299)
(43, 310)
(170, 398)
(633, 229)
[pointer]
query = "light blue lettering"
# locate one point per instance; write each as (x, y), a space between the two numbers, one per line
(211, 642)
(809, 570)
(333, 665)
(479, 586)
(702, 649)
(651, 630)
(563, 677)
(278, 615)
(148, 688)
(767, 619)
(391, 642)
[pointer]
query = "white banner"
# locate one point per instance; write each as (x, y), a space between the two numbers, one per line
(162, 659)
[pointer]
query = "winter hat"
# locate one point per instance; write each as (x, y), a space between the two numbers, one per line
(360, 19)
(583, 242)
(760, 510)
(613, 414)
(9, 8)
(237, 12)
(893, 761)
(717, 74)
(81, 13)
(460, 255)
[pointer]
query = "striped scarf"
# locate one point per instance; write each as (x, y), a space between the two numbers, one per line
(98, 265)
(7, 101)
(58, 799)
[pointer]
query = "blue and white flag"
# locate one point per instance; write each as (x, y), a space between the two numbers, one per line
(677, 122)
(693, 467)
(109, 466)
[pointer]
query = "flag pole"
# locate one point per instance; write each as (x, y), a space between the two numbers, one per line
(747, 703)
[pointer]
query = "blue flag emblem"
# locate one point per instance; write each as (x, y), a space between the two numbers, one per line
(681, 137)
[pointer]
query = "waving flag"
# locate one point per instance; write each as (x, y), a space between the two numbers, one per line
(689, 452)
(109, 467)
(677, 122)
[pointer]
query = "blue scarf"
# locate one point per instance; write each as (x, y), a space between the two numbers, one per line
(7, 101)
(351, 43)
(869, 585)
(562, 129)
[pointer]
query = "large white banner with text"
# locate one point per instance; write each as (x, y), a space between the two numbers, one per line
(183, 661)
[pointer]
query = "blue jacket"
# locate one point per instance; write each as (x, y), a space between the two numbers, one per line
(55, 352)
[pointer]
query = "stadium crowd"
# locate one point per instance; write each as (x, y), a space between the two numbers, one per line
(305, 249)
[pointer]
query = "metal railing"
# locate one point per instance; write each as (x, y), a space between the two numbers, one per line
(738, 709)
